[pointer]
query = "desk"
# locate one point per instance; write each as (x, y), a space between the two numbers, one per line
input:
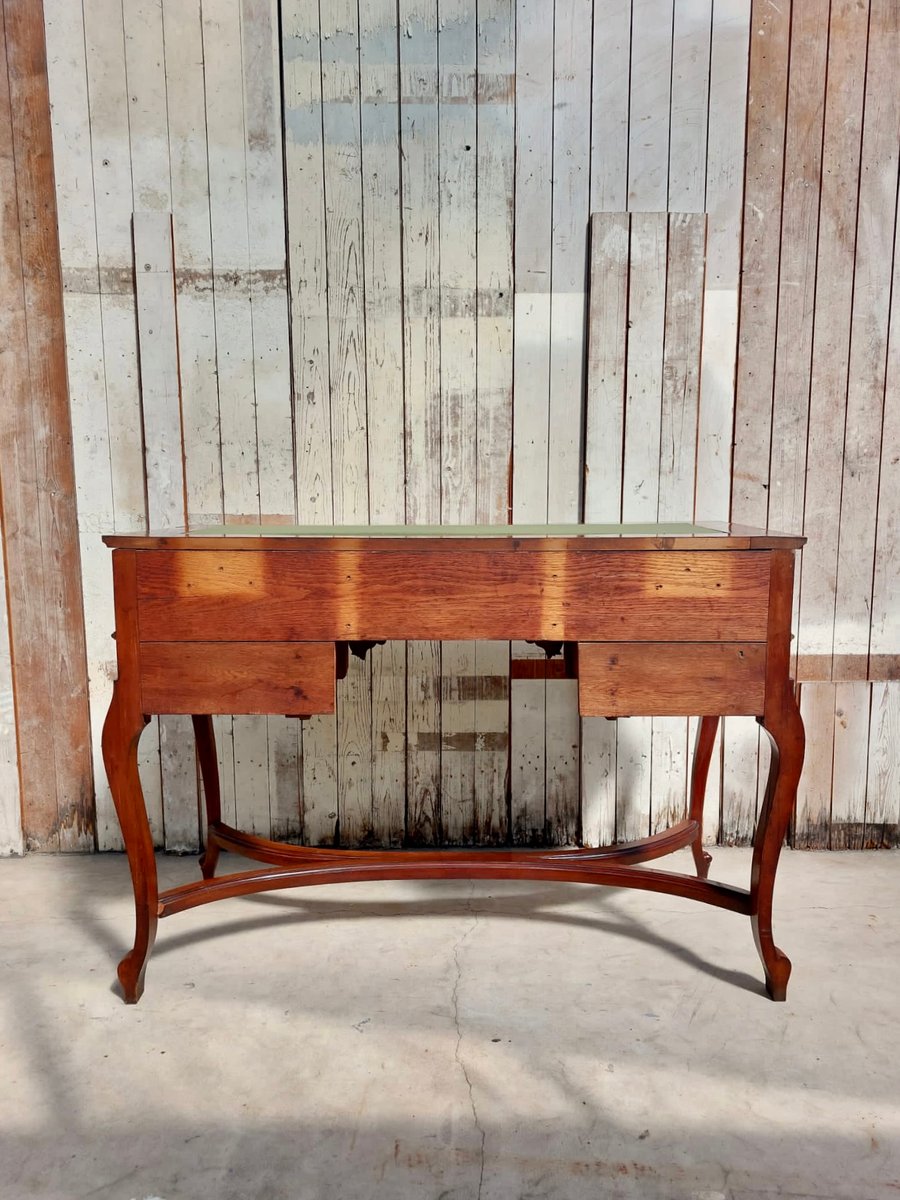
(654, 621)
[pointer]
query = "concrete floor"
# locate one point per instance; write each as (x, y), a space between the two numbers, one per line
(450, 1040)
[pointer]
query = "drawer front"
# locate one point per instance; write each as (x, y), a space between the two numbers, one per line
(665, 679)
(293, 678)
(440, 592)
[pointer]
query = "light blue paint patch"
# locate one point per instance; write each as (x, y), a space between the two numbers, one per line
(301, 49)
(303, 124)
(341, 123)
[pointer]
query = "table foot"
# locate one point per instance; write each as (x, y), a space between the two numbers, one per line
(776, 964)
(133, 966)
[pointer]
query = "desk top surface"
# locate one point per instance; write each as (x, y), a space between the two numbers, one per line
(671, 535)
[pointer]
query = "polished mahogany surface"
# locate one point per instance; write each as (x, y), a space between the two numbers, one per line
(653, 619)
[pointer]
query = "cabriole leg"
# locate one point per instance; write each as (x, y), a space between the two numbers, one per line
(785, 729)
(121, 733)
(703, 747)
(209, 772)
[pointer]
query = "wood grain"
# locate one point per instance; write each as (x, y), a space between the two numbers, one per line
(204, 595)
(296, 678)
(38, 503)
(618, 679)
(766, 115)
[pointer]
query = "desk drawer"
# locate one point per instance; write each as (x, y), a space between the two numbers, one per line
(663, 679)
(440, 592)
(293, 678)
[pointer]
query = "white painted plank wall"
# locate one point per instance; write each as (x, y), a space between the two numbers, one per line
(428, 284)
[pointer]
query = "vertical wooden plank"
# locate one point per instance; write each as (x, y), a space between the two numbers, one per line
(114, 254)
(389, 742)
(380, 133)
(740, 780)
(163, 470)
(607, 336)
(160, 389)
(649, 105)
(39, 518)
(570, 218)
(457, 189)
(228, 132)
(531, 378)
(229, 219)
(643, 391)
(797, 274)
(533, 225)
(685, 277)
(144, 47)
(263, 151)
(192, 237)
(86, 371)
(633, 765)
(797, 277)
(883, 774)
(194, 285)
(610, 79)
(740, 738)
(147, 116)
(598, 781)
(266, 236)
(343, 226)
(876, 223)
(766, 108)
(724, 197)
(86, 337)
(305, 192)
(563, 773)
(495, 141)
(285, 768)
(421, 396)
(251, 774)
(813, 812)
(528, 724)
(604, 437)
(848, 30)
(103, 38)
(382, 253)
(851, 737)
(732, 23)
(885, 634)
(640, 493)
(644, 369)
(349, 414)
(668, 771)
(691, 49)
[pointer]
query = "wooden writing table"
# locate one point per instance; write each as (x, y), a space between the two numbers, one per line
(655, 621)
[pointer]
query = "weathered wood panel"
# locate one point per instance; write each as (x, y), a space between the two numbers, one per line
(445, 136)
(40, 533)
